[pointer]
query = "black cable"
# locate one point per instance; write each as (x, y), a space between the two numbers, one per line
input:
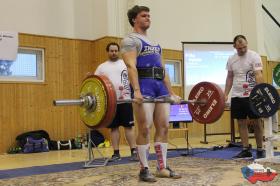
(271, 16)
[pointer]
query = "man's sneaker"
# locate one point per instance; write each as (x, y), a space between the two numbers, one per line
(146, 176)
(260, 154)
(115, 157)
(244, 154)
(167, 173)
(134, 157)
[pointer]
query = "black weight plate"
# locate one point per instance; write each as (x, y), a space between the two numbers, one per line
(264, 100)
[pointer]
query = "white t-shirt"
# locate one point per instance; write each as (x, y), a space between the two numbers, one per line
(117, 73)
(243, 68)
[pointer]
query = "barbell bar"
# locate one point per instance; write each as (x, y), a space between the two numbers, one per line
(98, 102)
(88, 101)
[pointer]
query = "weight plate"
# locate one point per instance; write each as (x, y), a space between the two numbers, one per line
(213, 109)
(104, 110)
(264, 100)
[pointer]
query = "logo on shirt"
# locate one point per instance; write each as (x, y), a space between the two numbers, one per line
(125, 89)
(250, 78)
(249, 84)
(150, 50)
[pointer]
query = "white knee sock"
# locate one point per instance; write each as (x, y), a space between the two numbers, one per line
(161, 152)
(143, 154)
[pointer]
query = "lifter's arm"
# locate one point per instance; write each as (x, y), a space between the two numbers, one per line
(229, 82)
(173, 95)
(259, 76)
(167, 83)
(130, 61)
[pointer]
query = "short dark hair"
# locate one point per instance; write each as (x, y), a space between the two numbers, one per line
(110, 44)
(238, 37)
(134, 11)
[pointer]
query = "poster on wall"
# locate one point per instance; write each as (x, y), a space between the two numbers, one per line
(8, 45)
(205, 61)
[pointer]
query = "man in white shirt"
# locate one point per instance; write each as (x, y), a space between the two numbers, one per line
(116, 70)
(244, 72)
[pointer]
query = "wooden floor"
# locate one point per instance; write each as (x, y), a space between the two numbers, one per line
(11, 161)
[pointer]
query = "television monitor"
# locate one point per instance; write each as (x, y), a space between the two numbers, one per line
(180, 113)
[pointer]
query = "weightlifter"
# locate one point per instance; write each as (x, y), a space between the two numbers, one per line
(148, 80)
(115, 69)
(244, 72)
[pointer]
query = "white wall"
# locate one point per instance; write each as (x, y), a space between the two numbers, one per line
(173, 21)
(37, 16)
(81, 19)
(271, 30)
(252, 24)
(63, 18)
(205, 20)
(84, 19)
(189, 20)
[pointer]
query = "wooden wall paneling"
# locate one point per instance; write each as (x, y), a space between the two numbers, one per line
(175, 55)
(7, 109)
(28, 106)
(67, 85)
(271, 65)
(266, 70)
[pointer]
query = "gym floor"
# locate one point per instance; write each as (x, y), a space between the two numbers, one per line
(11, 161)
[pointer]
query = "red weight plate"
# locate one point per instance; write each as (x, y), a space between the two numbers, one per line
(111, 102)
(109, 106)
(215, 102)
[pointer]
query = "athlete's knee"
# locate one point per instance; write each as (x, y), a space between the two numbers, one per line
(144, 132)
(162, 130)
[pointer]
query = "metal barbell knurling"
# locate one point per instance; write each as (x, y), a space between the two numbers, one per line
(89, 102)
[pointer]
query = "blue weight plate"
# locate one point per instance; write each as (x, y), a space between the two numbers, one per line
(264, 100)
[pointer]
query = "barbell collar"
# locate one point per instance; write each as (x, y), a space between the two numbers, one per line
(69, 102)
(88, 102)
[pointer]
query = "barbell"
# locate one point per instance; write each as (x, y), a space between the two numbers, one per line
(98, 102)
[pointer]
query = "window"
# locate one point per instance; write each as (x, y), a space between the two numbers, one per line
(173, 69)
(28, 67)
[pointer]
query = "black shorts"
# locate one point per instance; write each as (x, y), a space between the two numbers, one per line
(123, 117)
(240, 109)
